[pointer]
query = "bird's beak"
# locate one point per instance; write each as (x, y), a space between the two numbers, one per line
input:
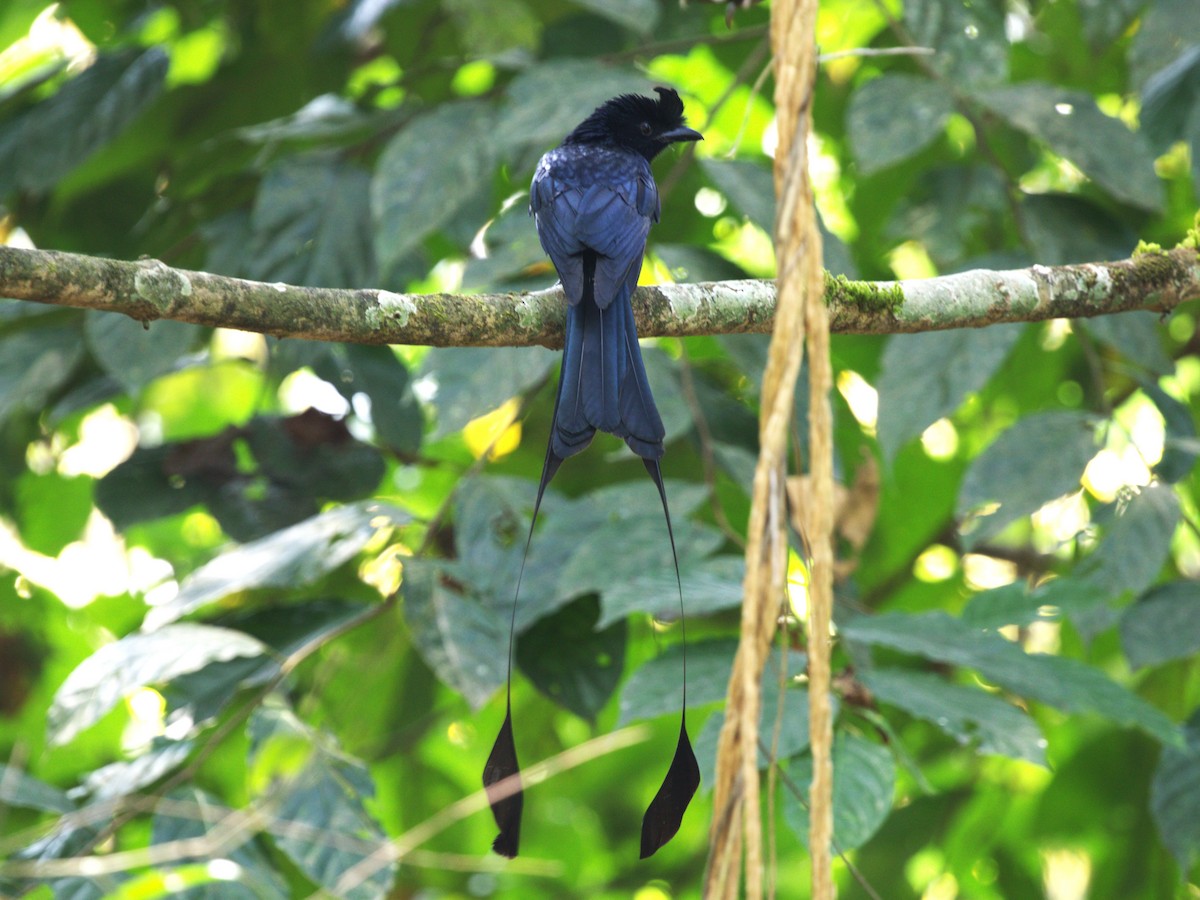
(681, 133)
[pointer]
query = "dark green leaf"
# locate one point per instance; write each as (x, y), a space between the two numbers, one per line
(864, 780)
(966, 714)
(33, 363)
(1037, 460)
(749, 187)
(1175, 797)
(1168, 98)
(546, 101)
(1179, 445)
(187, 813)
(311, 224)
(506, 28)
(1072, 125)
(292, 557)
(894, 116)
(135, 353)
(1135, 544)
(108, 675)
(1138, 336)
(426, 174)
(572, 662)
(1166, 30)
(86, 113)
(639, 16)
(1068, 229)
(654, 689)
(1067, 684)
(472, 381)
(913, 394)
(1163, 625)
(968, 40)
(1011, 604)
(708, 586)
(318, 795)
(461, 640)
(27, 792)
(1104, 20)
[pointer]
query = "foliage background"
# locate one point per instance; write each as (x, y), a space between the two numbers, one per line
(198, 529)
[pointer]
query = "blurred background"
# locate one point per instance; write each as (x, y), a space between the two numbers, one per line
(254, 593)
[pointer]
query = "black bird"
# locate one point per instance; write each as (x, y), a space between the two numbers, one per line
(594, 199)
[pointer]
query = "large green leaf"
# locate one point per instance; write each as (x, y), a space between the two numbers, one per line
(708, 586)
(639, 16)
(312, 224)
(570, 659)
(464, 642)
(1175, 796)
(968, 39)
(1072, 125)
(23, 790)
(1136, 543)
(426, 174)
(135, 353)
(966, 714)
(749, 187)
(864, 780)
(913, 394)
(91, 109)
(472, 381)
(104, 679)
(1163, 625)
(654, 689)
(122, 778)
(286, 559)
(1179, 445)
(317, 797)
(1037, 460)
(384, 378)
(894, 116)
(1067, 684)
(34, 362)
(188, 813)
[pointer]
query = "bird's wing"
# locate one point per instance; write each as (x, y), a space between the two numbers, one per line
(555, 206)
(613, 219)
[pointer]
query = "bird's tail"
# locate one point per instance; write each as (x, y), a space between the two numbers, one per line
(603, 384)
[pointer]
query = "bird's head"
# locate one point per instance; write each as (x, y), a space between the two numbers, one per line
(637, 123)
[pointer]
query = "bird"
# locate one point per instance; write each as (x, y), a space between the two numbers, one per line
(593, 199)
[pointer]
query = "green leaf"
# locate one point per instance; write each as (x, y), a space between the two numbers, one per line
(1175, 796)
(1138, 337)
(793, 727)
(1169, 97)
(966, 714)
(1105, 20)
(34, 363)
(87, 112)
(104, 679)
(1135, 545)
(317, 795)
(709, 585)
(1071, 229)
(383, 377)
(655, 688)
(1072, 125)
(864, 780)
(135, 353)
(1163, 625)
(570, 661)
(914, 394)
(1063, 683)
(968, 39)
(426, 174)
(503, 28)
(289, 558)
(311, 224)
(895, 116)
(1011, 604)
(120, 779)
(188, 813)
(546, 101)
(1039, 459)
(749, 187)
(472, 381)
(638, 16)
(52, 510)
(1179, 445)
(27, 792)
(461, 640)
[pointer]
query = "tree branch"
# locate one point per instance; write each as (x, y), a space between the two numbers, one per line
(147, 290)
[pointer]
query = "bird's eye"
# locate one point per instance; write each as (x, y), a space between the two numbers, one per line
(645, 128)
